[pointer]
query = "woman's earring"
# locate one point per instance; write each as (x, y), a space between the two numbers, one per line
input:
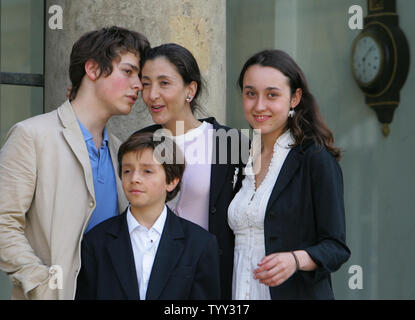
(291, 113)
(189, 98)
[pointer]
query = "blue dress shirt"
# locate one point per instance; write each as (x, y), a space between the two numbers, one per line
(105, 185)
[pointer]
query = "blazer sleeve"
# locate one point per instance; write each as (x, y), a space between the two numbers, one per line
(86, 281)
(17, 185)
(331, 250)
(206, 284)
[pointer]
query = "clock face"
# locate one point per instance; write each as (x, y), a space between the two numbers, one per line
(367, 59)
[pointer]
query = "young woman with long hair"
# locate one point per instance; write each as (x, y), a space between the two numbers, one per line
(288, 216)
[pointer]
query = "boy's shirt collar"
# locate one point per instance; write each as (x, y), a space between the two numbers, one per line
(157, 226)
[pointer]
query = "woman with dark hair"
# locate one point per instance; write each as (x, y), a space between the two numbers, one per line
(172, 83)
(288, 216)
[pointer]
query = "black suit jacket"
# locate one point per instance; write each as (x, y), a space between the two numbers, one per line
(186, 265)
(222, 191)
(306, 212)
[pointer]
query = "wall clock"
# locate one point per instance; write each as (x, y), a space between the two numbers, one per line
(380, 60)
(367, 60)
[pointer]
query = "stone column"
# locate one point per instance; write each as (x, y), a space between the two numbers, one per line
(198, 25)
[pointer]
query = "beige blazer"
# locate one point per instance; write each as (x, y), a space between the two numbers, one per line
(46, 199)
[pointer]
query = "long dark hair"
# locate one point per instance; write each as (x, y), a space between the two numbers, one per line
(307, 123)
(185, 63)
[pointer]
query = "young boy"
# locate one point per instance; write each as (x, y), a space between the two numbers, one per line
(57, 170)
(148, 252)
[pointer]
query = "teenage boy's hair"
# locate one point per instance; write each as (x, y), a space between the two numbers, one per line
(103, 46)
(173, 167)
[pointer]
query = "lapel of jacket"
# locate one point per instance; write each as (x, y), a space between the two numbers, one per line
(289, 168)
(114, 144)
(168, 254)
(218, 170)
(73, 135)
(217, 180)
(121, 255)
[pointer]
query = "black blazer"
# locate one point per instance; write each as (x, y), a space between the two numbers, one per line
(186, 265)
(222, 191)
(306, 212)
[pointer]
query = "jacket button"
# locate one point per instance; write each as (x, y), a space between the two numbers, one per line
(213, 210)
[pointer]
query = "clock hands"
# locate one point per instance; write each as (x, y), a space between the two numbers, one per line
(368, 51)
(364, 60)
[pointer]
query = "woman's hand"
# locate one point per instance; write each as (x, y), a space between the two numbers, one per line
(275, 268)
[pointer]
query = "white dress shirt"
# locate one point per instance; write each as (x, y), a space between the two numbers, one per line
(145, 243)
(246, 215)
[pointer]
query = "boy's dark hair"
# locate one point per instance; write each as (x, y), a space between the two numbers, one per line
(173, 167)
(103, 46)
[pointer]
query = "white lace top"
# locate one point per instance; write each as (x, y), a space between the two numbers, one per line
(246, 218)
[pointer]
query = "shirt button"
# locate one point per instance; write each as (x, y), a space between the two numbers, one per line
(91, 203)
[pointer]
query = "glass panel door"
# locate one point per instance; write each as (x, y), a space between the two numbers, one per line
(21, 56)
